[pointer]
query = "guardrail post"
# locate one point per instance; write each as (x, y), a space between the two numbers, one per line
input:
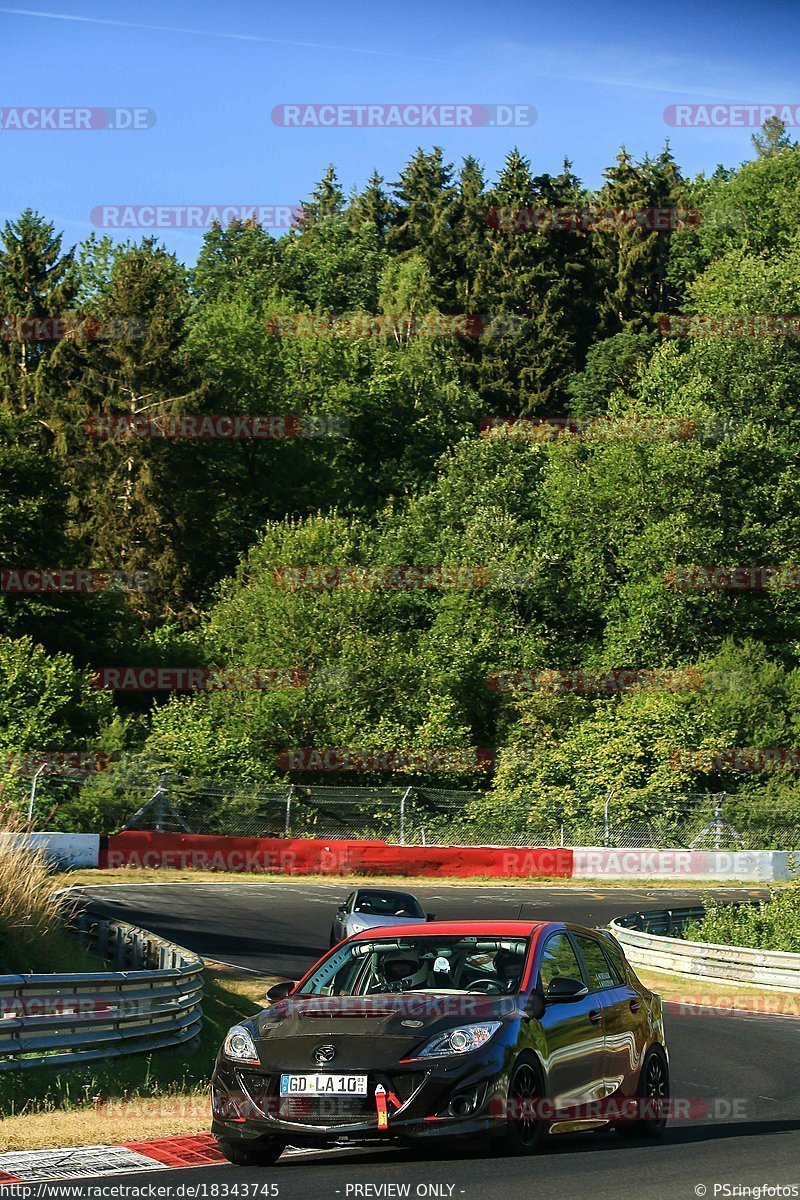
(142, 1010)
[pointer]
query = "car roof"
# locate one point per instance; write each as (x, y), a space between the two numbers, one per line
(457, 928)
(382, 891)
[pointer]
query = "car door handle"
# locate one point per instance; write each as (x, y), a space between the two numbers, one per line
(595, 1016)
(635, 1006)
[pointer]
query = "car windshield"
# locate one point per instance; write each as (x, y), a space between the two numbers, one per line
(387, 904)
(442, 965)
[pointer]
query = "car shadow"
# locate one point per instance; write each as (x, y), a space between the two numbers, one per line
(593, 1141)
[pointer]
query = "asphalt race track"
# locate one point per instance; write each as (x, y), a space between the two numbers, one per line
(745, 1069)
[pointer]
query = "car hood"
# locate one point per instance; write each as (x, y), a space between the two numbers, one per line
(367, 1032)
(371, 921)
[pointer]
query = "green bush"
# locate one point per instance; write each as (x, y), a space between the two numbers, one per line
(773, 924)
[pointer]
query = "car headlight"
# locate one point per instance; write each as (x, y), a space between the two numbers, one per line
(357, 927)
(459, 1041)
(240, 1046)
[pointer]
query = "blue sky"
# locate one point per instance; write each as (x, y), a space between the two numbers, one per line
(599, 74)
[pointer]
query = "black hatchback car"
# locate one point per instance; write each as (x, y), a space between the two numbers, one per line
(504, 1028)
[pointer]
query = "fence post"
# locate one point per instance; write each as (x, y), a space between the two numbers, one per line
(163, 784)
(288, 822)
(606, 826)
(403, 799)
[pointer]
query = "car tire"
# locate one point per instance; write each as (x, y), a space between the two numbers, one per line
(261, 1152)
(523, 1130)
(652, 1088)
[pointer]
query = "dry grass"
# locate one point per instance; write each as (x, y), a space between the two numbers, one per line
(139, 875)
(107, 1124)
(691, 994)
(31, 938)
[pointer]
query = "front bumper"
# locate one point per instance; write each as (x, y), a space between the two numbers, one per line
(246, 1104)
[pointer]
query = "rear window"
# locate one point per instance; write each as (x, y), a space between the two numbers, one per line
(597, 965)
(616, 960)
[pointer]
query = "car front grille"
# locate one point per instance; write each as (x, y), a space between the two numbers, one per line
(261, 1093)
(328, 1110)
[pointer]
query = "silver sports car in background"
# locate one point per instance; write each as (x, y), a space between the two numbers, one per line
(368, 908)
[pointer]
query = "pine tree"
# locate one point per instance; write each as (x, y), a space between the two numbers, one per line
(470, 233)
(134, 497)
(373, 206)
(240, 258)
(327, 200)
(425, 199)
(530, 281)
(37, 281)
(772, 139)
(632, 258)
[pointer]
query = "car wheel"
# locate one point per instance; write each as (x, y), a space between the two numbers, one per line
(523, 1127)
(652, 1092)
(261, 1152)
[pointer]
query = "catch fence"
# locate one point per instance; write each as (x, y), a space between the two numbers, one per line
(417, 816)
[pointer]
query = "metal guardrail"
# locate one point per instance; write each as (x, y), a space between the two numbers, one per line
(648, 940)
(150, 1002)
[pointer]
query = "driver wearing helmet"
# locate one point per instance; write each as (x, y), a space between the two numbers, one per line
(403, 973)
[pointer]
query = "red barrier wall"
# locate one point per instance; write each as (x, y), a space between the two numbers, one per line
(304, 856)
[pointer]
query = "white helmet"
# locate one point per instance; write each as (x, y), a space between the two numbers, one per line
(402, 972)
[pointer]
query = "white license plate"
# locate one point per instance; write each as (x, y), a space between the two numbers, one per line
(323, 1085)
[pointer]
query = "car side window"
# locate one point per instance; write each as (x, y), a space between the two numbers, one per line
(615, 959)
(597, 966)
(558, 958)
(348, 904)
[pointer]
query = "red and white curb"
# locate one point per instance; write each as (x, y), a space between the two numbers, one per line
(80, 1162)
(84, 1162)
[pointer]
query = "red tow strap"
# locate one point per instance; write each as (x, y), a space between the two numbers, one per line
(380, 1105)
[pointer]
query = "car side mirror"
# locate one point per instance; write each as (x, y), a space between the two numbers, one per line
(561, 987)
(342, 908)
(279, 991)
(430, 916)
